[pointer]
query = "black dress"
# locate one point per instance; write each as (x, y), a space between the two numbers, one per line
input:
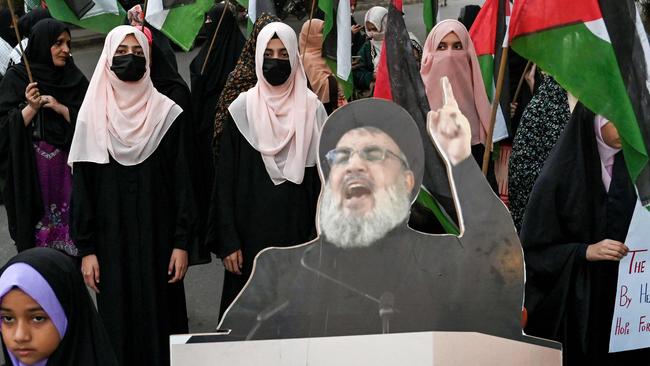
(568, 298)
(132, 217)
(251, 212)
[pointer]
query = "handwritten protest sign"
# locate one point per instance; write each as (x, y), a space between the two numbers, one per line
(631, 322)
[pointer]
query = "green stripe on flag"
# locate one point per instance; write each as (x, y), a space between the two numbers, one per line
(586, 66)
(427, 200)
(103, 23)
(183, 23)
(427, 9)
(486, 63)
(327, 6)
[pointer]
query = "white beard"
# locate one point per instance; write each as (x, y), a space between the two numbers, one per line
(347, 230)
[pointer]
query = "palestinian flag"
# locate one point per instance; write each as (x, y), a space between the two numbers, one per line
(405, 87)
(181, 23)
(337, 40)
(99, 16)
(598, 51)
(430, 14)
(488, 34)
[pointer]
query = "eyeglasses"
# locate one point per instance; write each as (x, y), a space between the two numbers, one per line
(342, 156)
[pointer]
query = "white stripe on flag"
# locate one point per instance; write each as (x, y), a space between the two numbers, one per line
(252, 10)
(156, 15)
(343, 40)
(102, 7)
(598, 28)
(643, 37)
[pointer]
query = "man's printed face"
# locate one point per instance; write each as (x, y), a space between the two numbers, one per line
(355, 181)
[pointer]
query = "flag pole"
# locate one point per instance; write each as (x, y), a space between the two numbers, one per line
(521, 81)
(214, 36)
(144, 14)
(20, 44)
(311, 17)
(495, 107)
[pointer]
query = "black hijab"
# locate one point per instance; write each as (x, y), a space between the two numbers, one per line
(85, 341)
(66, 84)
(6, 30)
(223, 57)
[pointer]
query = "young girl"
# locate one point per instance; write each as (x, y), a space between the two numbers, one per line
(46, 314)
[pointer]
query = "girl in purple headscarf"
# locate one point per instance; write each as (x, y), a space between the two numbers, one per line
(46, 314)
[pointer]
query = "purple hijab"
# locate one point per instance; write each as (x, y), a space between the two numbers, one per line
(26, 278)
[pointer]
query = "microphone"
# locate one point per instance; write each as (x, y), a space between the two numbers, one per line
(386, 310)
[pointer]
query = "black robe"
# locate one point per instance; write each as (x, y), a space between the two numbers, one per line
(429, 282)
(168, 81)
(251, 213)
(85, 341)
(18, 176)
(132, 217)
(568, 298)
(206, 90)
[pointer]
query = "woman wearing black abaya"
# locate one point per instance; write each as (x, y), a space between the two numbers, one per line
(573, 233)
(53, 281)
(133, 201)
(206, 90)
(37, 122)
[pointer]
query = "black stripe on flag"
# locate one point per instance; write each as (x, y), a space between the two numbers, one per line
(620, 20)
(80, 7)
(408, 91)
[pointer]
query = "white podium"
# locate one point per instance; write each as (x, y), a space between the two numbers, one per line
(413, 349)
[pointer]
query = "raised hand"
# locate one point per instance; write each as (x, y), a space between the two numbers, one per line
(449, 128)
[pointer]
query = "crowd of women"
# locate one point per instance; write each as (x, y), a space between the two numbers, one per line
(123, 181)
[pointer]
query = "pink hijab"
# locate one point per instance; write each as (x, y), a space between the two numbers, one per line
(464, 72)
(281, 122)
(605, 151)
(124, 119)
(311, 50)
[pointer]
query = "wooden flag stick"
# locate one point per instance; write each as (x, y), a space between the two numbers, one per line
(20, 44)
(214, 36)
(495, 107)
(144, 14)
(311, 17)
(521, 80)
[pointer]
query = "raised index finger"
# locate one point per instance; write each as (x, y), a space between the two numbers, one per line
(447, 93)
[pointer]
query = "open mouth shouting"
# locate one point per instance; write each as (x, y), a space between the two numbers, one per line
(357, 192)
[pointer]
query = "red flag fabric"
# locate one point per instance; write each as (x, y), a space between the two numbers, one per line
(541, 15)
(382, 81)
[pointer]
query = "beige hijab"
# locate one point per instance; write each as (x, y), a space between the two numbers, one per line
(281, 122)
(315, 67)
(124, 119)
(464, 73)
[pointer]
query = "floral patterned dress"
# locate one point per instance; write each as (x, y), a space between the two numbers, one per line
(539, 129)
(55, 179)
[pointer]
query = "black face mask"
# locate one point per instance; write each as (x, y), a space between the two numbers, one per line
(129, 67)
(276, 71)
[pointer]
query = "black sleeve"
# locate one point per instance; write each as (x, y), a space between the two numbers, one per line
(83, 223)
(183, 191)
(481, 211)
(224, 192)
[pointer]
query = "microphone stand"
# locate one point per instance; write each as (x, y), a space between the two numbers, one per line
(386, 301)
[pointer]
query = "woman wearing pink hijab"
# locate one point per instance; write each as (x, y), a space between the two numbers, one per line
(132, 201)
(449, 51)
(267, 184)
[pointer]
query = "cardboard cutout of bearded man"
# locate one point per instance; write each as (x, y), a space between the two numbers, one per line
(368, 272)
